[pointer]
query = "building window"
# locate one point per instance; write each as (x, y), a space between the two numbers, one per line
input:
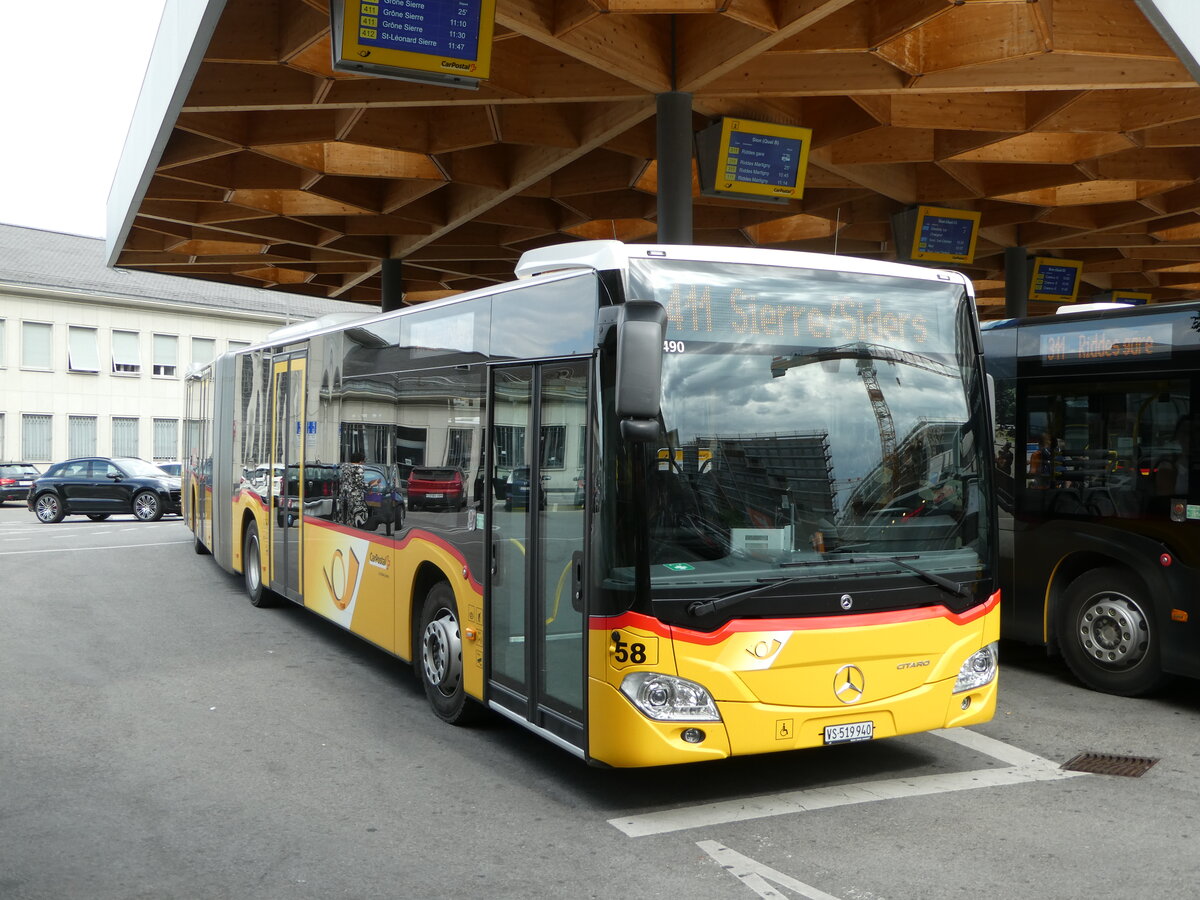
(124, 436)
(3, 348)
(166, 355)
(126, 358)
(458, 449)
(35, 438)
(3, 455)
(234, 346)
(166, 438)
(510, 446)
(37, 345)
(81, 436)
(554, 449)
(203, 351)
(82, 355)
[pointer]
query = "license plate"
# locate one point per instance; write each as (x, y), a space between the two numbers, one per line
(849, 732)
(434, 496)
(24, 483)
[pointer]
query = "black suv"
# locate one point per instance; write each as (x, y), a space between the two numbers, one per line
(15, 480)
(98, 487)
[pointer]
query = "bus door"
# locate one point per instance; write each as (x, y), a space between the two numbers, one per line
(287, 474)
(538, 436)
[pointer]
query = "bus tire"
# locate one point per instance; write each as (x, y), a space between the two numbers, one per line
(198, 546)
(439, 659)
(258, 592)
(1108, 634)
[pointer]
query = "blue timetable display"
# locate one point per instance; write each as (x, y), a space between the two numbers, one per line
(443, 42)
(945, 235)
(434, 27)
(762, 159)
(1055, 279)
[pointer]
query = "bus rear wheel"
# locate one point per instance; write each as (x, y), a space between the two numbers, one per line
(439, 659)
(258, 592)
(1108, 635)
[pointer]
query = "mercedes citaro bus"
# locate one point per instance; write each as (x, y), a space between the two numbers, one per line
(754, 510)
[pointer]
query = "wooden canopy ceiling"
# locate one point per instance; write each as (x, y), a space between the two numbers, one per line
(1068, 124)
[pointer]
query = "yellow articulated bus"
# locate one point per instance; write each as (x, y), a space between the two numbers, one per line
(657, 504)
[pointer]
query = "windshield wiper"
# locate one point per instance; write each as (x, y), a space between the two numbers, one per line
(932, 577)
(703, 607)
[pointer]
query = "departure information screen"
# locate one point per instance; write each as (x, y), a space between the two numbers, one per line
(945, 235)
(438, 41)
(1055, 279)
(436, 27)
(762, 159)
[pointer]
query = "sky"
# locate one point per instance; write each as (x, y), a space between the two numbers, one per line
(66, 105)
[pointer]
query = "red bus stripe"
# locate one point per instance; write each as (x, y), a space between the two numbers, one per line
(860, 620)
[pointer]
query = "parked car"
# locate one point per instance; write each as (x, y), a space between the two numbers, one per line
(441, 487)
(516, 494)
(99, 487)
(172, 468)
(385, 503)
(320, 493)
(16, 478)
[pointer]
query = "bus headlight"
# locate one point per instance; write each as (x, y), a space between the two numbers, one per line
(978, 670)
(669, 699)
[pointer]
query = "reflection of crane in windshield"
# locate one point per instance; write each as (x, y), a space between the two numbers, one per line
(865, 355)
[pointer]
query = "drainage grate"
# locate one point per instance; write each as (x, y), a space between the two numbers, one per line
(1107, 764)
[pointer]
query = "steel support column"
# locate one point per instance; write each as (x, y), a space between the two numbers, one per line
(1016, 282)
(674, 167)
(393, 284)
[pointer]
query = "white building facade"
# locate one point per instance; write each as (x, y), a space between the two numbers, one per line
(95, 364)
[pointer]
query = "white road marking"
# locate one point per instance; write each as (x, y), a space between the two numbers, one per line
(1022, 768)
(84, 549)
(755, 875)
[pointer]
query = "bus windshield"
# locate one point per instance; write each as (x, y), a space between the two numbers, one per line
(813, 424)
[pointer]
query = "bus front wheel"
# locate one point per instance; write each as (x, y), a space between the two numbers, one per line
(259, 595)
(439, 660)
(1108, 635)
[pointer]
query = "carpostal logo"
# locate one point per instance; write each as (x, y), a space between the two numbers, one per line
(462, 67)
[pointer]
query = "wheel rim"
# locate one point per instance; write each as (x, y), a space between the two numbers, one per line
(145, 506)
(253, 572)
(1114, 631)
(441, 652)
(47, 507)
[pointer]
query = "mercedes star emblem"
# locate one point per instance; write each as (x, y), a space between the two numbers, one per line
(849, 684)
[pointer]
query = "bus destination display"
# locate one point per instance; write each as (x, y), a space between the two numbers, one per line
(439, 41)
(1110, 343)
(1055, 279)
(945, 235)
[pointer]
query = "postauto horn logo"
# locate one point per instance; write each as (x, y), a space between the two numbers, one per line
(341, 575)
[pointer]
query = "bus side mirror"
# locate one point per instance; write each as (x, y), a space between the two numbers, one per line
(641, 326)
